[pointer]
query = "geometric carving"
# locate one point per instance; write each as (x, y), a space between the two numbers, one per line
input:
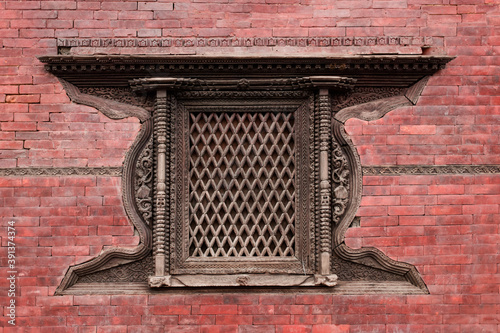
(242, 185)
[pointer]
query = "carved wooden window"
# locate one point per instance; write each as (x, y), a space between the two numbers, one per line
(244, 168)
(242, 174)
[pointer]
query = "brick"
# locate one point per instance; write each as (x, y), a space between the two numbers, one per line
(128, 300)
(380, 200)
(22, 4)
(89, 5)
(171, 310)
(256, 328)
(135, 15)
(216, 309)
(233, 319)
(123, 6)
(406, 210)
(256, 309)
(155, 6)
(58, 4)
(418, 129)
(196, 320)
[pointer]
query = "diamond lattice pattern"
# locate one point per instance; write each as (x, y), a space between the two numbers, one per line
(242, 185)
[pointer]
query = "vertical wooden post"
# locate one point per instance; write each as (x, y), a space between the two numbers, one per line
(160, 224)
(325, 185)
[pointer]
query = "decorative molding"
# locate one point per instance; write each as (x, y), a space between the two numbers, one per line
(352, 271)
(67, 171)
(430, 169)
(245, 42)
(243, 84)
(367, 170)
(341, 179)
(242, 94)
(365, 287)
(362, 95)
(136, 271)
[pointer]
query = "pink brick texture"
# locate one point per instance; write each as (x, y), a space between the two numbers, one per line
(445, 225)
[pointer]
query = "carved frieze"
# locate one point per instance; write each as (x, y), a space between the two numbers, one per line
(244, 42)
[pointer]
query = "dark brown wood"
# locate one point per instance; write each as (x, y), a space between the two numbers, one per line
(117, 70)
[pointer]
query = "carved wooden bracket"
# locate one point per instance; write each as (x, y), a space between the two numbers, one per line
(224, 138)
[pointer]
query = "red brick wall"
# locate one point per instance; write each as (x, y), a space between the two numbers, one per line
(446, 225)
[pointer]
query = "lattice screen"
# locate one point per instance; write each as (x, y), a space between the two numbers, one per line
(242, 185)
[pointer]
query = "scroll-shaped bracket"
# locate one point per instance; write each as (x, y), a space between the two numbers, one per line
(370, 256)
(110, 108)
(377, 109)
(114, 257)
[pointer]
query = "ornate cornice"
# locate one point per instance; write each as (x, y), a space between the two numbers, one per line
(118, 70)
(246, 42)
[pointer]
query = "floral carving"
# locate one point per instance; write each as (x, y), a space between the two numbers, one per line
(121, 94)
(364, 95)
(340, 181)
(144, 183)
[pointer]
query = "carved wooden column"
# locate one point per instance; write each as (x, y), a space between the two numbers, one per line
(325, 185)
(161, 137)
